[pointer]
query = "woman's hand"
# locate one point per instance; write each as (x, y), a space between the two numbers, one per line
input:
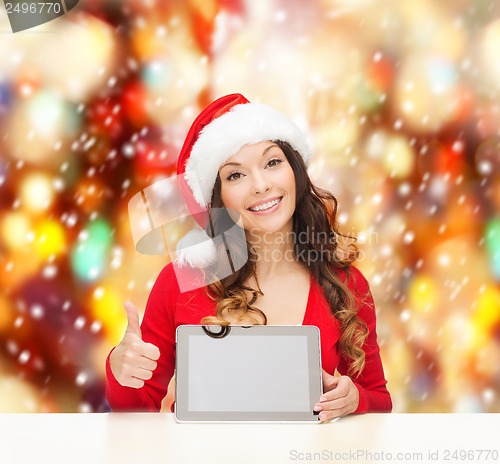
(340, 397)
(133, 360)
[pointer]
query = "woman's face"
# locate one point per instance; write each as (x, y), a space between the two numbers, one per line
(259, 184)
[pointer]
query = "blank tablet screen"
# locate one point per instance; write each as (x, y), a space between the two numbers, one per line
(252, 373)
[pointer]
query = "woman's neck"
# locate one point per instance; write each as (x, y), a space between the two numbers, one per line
(274, 252)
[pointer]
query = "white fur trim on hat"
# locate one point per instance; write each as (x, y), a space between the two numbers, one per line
(196, 249)
(246, 123)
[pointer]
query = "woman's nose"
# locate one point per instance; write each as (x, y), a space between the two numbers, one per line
(261, 184)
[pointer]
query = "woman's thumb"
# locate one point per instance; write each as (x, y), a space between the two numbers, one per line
(133, 325)
(329, 381)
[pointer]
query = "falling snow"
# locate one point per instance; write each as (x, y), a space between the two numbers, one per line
(426, 219)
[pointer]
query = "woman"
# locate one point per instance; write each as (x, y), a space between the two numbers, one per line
(251, 160)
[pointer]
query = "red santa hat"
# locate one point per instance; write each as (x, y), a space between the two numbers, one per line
(218, 133)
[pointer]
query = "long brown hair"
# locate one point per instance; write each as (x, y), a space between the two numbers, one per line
(320, 249)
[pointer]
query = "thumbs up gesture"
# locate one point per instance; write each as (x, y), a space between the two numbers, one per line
(133, 360)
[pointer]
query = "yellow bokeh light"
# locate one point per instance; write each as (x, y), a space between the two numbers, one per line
(40, 127)
(398, 158)
(50, 239)
(423, 292)
(107, 307)
(487, 313)
(15, 229)
(425, 93)
(82, 73)
(431, 28)
(18, 396)
(37, 193)
(489, 44)
(337, 133)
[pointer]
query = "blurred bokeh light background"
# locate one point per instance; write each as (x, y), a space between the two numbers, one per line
(401, 100)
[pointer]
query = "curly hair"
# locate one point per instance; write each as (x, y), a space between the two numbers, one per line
(314, 218)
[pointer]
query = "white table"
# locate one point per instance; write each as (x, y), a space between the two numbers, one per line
(157, 438)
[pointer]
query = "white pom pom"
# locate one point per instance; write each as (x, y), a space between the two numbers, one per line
(196, 249)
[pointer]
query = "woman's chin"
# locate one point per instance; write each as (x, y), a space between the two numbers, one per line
(268, 227)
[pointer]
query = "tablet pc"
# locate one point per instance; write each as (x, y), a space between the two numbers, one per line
(247, 373)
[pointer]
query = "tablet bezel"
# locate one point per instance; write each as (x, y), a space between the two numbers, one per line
(182, 412)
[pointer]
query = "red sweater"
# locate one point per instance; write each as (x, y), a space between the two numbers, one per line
(167, 308)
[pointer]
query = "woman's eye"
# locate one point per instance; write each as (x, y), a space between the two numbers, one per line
(234, 176)
(274, 162)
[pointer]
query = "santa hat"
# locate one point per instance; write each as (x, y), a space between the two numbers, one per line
(219, 132)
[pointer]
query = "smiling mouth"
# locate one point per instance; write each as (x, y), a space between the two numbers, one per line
(266, 206)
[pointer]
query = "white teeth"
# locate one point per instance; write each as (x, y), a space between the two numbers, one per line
(266, 205)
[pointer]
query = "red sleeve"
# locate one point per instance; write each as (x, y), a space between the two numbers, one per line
(371, 383)
(157, 328)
